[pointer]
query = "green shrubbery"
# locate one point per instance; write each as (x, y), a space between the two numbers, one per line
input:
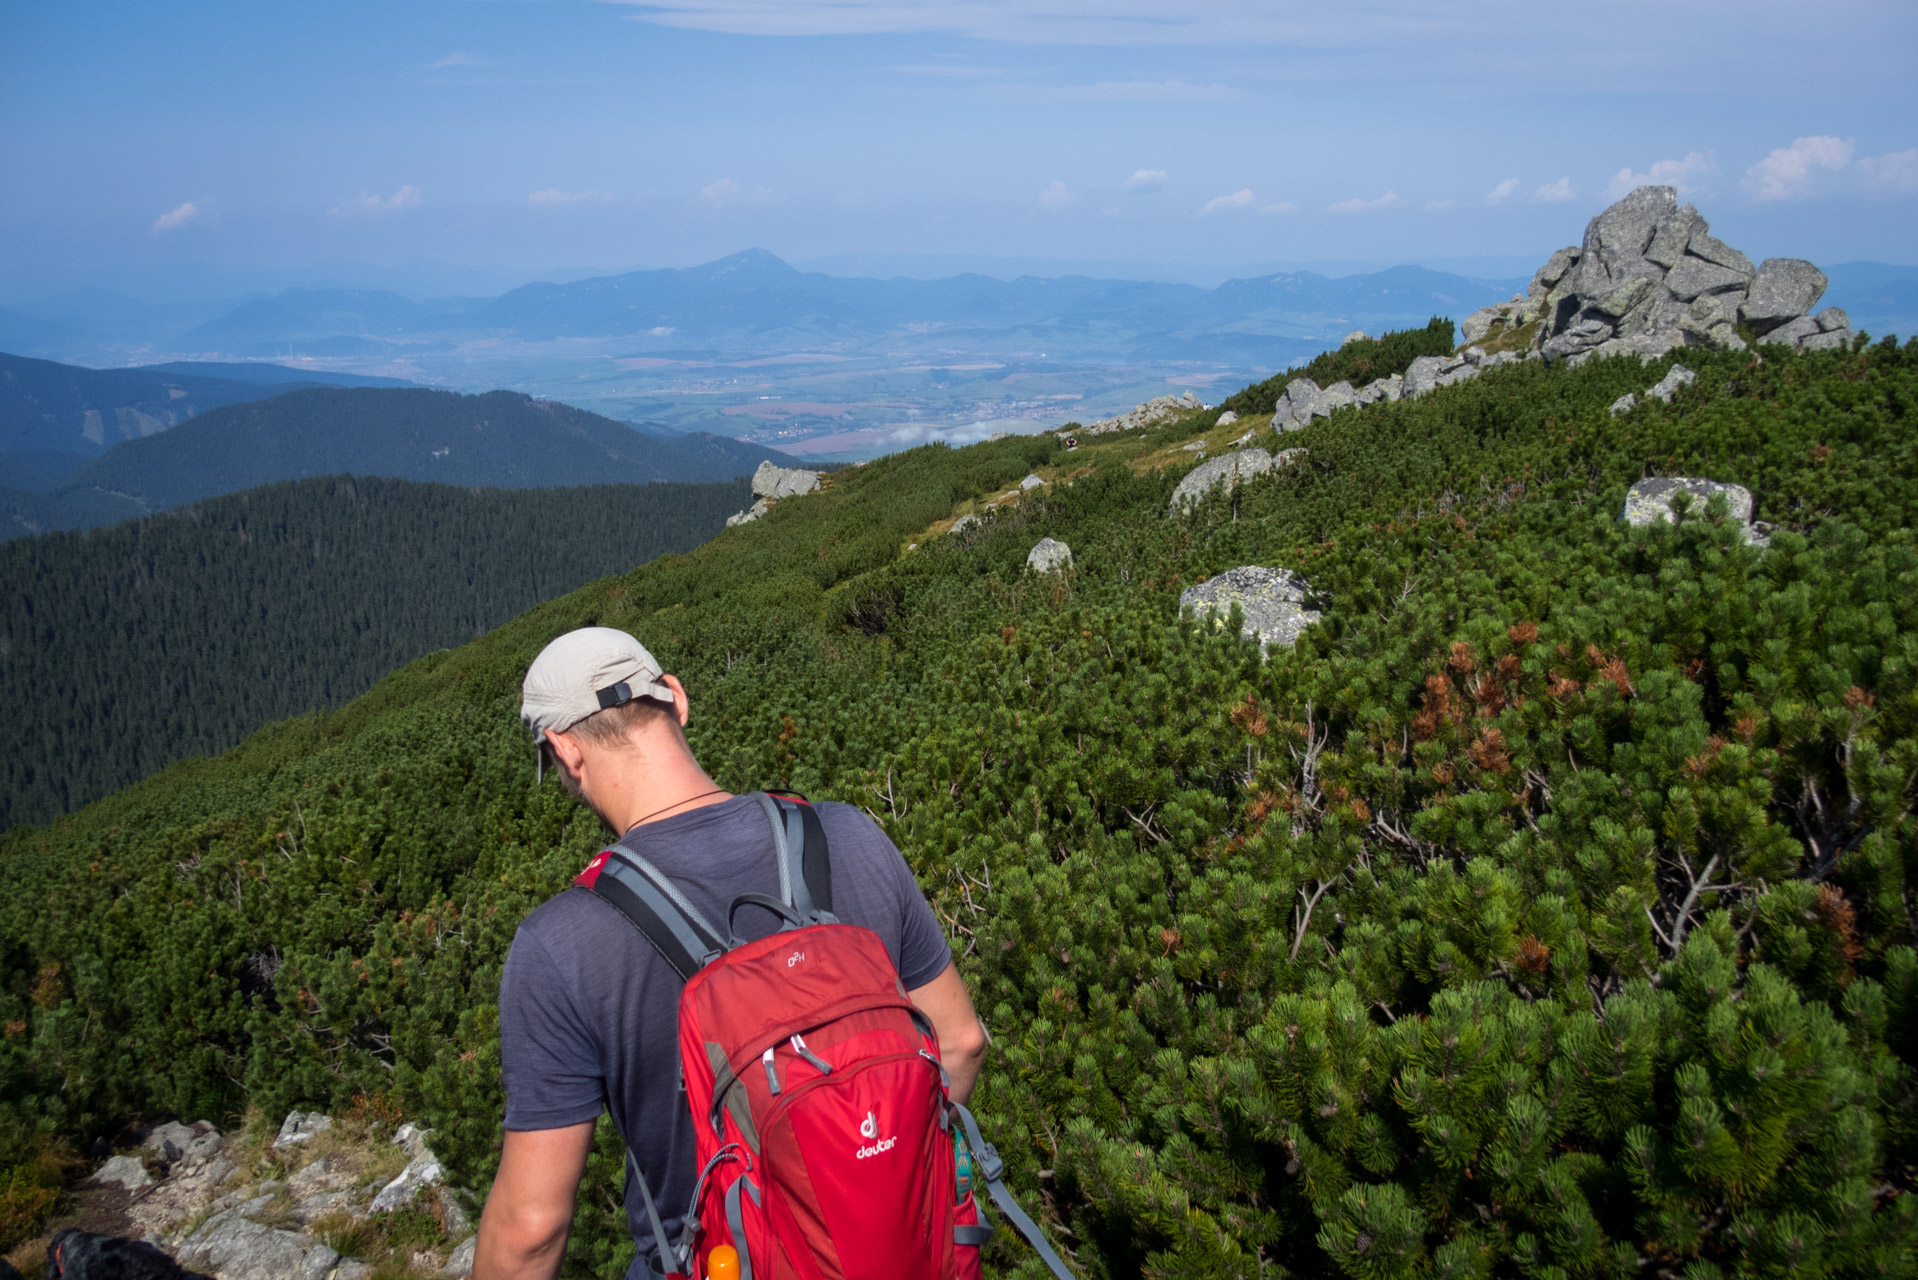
(1546, 911)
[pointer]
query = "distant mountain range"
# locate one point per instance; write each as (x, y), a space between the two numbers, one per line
(501, 439)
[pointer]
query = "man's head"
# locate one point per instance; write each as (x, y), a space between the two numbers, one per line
(603, 713)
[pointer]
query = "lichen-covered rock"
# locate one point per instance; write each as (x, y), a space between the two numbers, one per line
(301, 1126)
(1784, 288)
(1624, 404)
(421, 1172)
(1031, 482)
(783, 482)
(1049, 556)
(1158, 409)
(460, 1265)
(965, 522)
(750, 514)
(1271, 603)
(1228, 470)
(1667, 387)
(1227, 418)
(1650, 501)
(232, 1246)
(122, 1171)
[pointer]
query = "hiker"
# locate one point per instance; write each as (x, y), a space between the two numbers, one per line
(589, 1007)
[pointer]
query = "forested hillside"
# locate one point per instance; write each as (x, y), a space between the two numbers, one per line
(500, 438)
(179, 634)
(1546, 911)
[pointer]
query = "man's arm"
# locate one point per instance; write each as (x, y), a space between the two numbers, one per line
(522, 1233)
(962, 1041)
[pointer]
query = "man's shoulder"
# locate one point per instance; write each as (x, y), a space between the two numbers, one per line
(568, 923)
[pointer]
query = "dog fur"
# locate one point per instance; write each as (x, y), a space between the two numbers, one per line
(82, 1255)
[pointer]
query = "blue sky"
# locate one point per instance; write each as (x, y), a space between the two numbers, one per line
(229, 139)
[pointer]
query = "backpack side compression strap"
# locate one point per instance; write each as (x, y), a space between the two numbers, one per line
(987, 1164)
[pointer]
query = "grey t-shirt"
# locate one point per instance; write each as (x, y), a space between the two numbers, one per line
(589, 1012)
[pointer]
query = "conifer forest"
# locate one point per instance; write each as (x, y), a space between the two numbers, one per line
(1548, 910)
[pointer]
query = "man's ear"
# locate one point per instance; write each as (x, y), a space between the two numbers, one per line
(679, 698)
(566, 750)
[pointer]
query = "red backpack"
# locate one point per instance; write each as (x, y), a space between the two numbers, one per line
(826, 1139)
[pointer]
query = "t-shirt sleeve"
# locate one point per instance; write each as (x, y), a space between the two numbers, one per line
(549, 1059)
(923, 950)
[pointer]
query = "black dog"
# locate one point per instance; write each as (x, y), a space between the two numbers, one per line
(82, 1255)
(8, 1271)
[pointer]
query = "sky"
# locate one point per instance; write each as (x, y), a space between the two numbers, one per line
(453, 143)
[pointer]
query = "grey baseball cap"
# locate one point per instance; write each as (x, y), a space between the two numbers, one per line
(583, 673)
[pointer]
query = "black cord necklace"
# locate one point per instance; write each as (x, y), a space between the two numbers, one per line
(688, 800)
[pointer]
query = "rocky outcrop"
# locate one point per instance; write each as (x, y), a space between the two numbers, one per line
(1050, 556)
(1227, 471)
(770, 484)
(1271, 603)
(1649, 278)
(1030, 483)
(1650, 501)
(1155, 410)
(234, 1224)
(1227, 418)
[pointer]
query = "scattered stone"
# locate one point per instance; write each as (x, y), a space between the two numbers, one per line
(1832, 319)
(122, 1171)
(1228, 470)
(1243, 440)
(1650, 501)
(1050, 556)
(1667, 387)
(1031, 482)
(422, 1172)
(783, 482)
(965, 522)
(453, 1216)
(460, 1265)
(1227, 418)
(301, 1126)
(319, 1260)
(1624, 404)
(169, 1141)
(1271, 603)
(1195, 446)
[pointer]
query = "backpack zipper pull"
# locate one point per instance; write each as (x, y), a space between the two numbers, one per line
(772, 1077)
(799, 1047)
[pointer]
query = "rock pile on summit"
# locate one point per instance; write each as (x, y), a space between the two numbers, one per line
(1650, 277)
(1156, 410)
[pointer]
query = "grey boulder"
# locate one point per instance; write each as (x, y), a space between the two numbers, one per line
(1049, 556)
(783, 482)
(301, 1126)
(122, 1171)
(1271, 603)
(460, 1265)
(1666, 387)
(1783, 288)
(1227, 471)
(1694, 277)
(1624, 404)
(1227, 418)
(1031, 482)
(1650, 501)
(421, 1172)
(233, 1247)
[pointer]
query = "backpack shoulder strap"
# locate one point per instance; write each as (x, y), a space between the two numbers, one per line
(654, 905)
(987, 1165)
(805, 862)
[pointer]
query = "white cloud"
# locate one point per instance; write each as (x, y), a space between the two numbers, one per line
(1895, 171)
(1683, 174)
(1358, 205)
(727, 191)
(1785, 174)
(1554, 192)
(370, 205)
(456, 58)
(1281, 206)
(1503, 191)
(1145, 181)
(177, 216)
(1219, 204)
(1055, 197)
(553, 198)
(1439, 206)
